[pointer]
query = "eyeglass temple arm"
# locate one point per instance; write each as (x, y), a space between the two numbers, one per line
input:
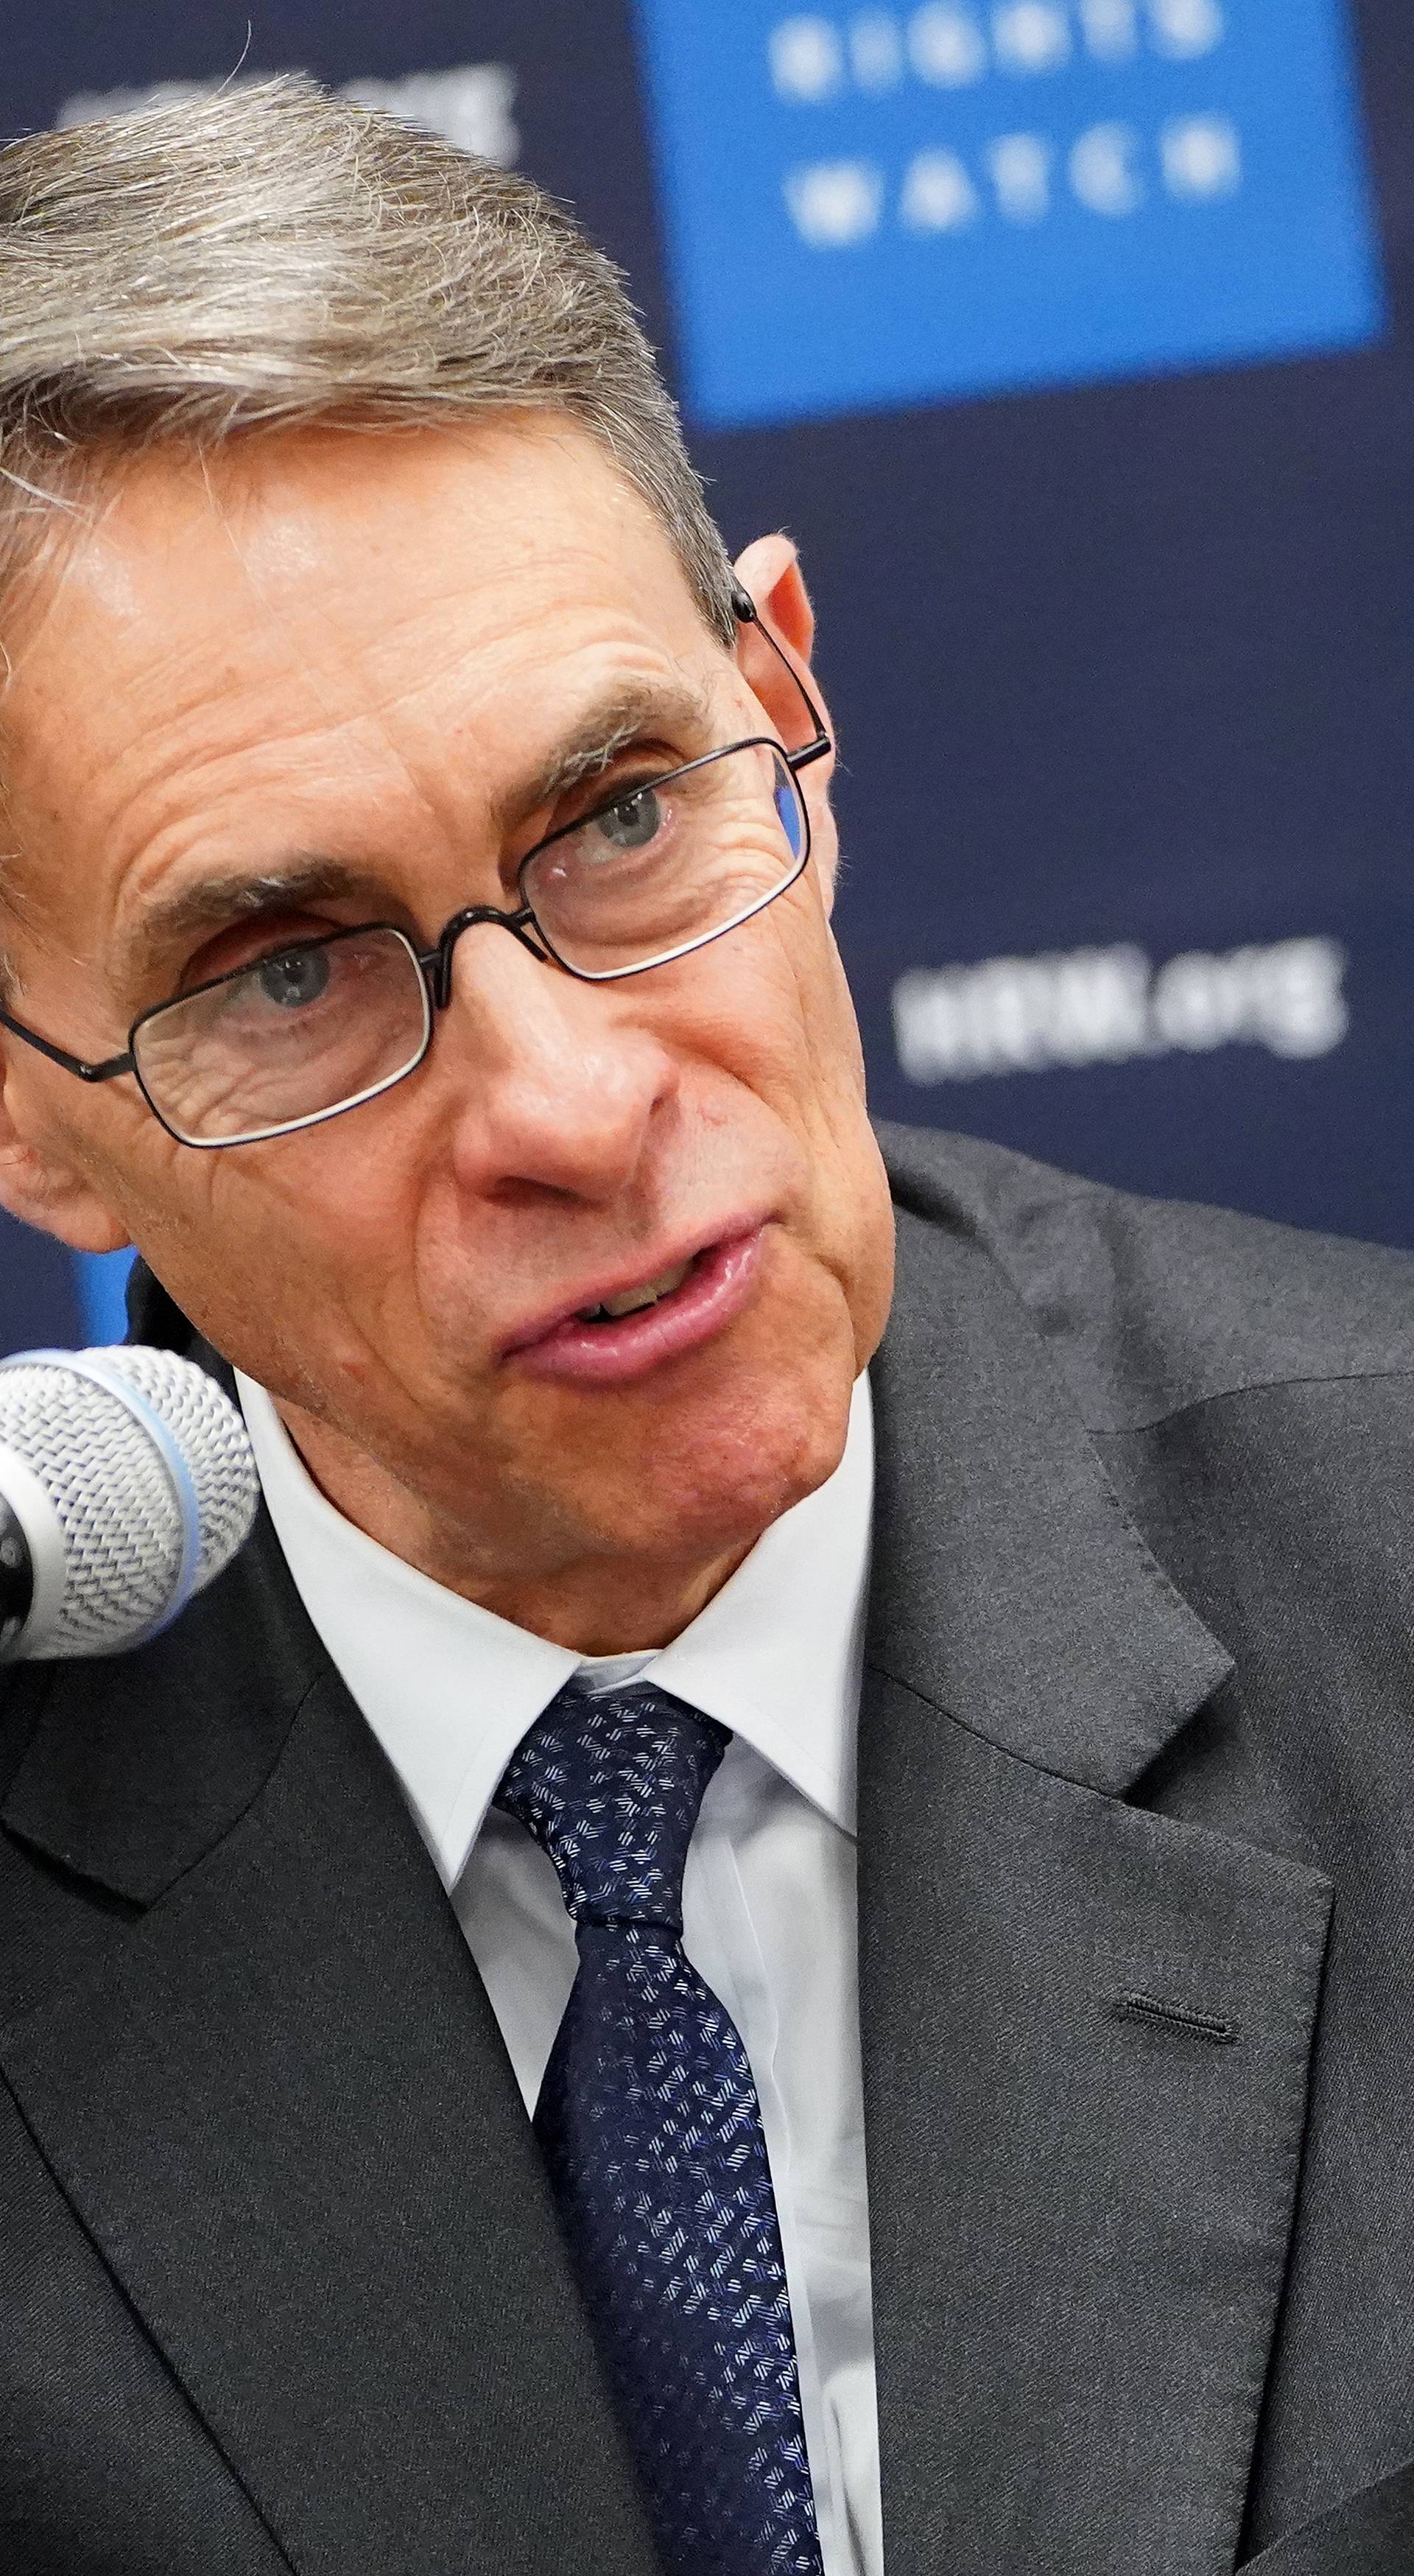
(107, 1071)
(746, 612)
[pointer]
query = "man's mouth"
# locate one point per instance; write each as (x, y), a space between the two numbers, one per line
(630, 1331)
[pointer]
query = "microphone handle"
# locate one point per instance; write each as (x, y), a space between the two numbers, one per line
(16, 1577)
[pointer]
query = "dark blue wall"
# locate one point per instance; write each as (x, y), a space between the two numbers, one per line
(1122, 664)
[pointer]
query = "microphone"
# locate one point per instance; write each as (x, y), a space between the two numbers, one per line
(127, 1483)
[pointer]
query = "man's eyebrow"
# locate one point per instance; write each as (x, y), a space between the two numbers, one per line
(212, 903)
(635, 711)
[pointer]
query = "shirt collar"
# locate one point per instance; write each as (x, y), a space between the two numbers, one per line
(449, 1689)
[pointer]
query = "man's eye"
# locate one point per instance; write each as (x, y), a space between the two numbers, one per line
(633, 822)
(294, 980)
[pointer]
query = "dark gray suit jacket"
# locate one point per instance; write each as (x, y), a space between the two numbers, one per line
(280, 2286)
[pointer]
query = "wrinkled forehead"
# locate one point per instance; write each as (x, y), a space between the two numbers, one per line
(318, 597)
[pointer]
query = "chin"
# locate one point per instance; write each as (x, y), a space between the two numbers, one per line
(720, 1472)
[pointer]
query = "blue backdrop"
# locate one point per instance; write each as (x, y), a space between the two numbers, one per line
(1072, 340)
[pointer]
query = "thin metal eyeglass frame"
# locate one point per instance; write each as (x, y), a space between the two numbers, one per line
(436, 963)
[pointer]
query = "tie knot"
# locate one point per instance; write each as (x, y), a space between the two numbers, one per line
(610, 1787)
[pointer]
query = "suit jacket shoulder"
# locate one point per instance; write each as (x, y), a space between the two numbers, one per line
(1151, 1305)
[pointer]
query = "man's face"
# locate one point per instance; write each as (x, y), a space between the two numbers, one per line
(363, 652)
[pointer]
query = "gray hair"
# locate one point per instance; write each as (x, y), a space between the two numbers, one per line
(274, 256)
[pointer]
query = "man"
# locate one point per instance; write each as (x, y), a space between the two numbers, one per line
(418, 946)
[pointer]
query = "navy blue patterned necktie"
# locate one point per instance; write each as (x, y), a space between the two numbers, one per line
(651, 2129)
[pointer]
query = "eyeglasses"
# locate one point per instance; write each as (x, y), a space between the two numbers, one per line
(667, 864)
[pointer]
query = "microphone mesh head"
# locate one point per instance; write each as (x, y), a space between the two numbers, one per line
(112, 1492)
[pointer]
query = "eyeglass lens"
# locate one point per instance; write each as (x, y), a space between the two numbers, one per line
(315, 1027)
(330, 1022)
(670, 865)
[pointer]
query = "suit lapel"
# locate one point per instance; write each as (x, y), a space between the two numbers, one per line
(1086, 2027)
(275, 2097)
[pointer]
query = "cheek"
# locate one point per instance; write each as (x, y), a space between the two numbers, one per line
(785, 1024)
(295, 1234)
(778, 1014)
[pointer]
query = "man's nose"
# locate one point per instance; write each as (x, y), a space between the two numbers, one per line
(558, 1082)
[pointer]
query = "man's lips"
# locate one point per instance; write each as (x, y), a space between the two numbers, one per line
(720, 1281)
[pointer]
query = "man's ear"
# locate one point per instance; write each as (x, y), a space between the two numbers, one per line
(770, 570)
(44, 1186)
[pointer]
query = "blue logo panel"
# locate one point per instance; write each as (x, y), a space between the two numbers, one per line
(875, 206)
(102, 1281)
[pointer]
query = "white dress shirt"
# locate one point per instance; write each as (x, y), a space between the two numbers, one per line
(769, 1895)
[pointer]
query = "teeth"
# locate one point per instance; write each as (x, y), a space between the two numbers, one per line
(632, 1299)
